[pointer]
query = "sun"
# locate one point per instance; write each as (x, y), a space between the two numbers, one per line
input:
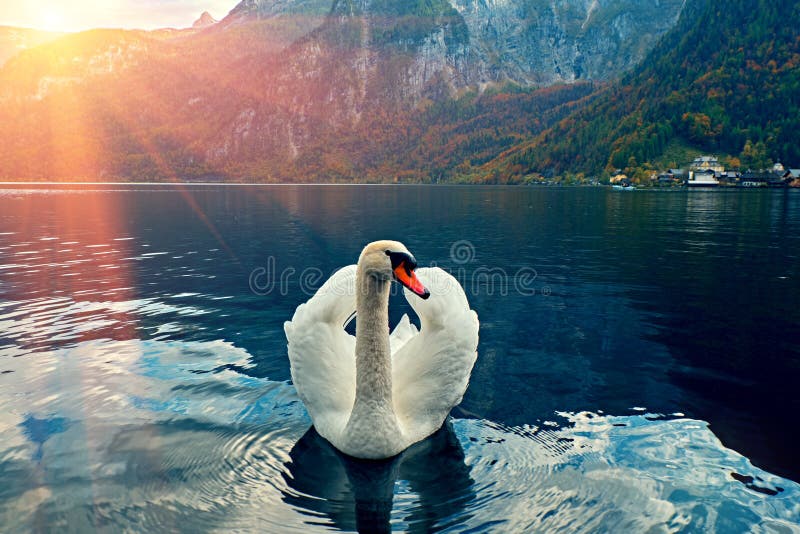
(51, 19)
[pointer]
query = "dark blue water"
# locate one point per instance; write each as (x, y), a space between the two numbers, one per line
(638, 365)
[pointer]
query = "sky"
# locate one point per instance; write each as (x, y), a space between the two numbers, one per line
(77, 15)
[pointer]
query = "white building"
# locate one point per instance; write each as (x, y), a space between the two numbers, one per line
(702, 178)
(706, 163)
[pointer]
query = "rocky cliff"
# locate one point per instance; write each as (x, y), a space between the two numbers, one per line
(548, 41)
(524, 41)
(372, 55)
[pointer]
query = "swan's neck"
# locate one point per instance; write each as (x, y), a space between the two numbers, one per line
(373, 355)
(372, 430)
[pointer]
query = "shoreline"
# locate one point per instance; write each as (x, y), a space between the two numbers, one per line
(79, 185)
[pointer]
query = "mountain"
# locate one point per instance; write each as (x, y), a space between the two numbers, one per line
(204, 21)
(529, 42)
(548, 41)
(15, 40)
(248, 10)
(313, 90)
(725, 81)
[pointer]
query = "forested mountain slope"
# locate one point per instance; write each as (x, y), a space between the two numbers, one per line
(726, 80)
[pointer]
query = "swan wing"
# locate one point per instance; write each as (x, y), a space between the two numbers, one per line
(322, 353)
(402, 333)
(431, 370)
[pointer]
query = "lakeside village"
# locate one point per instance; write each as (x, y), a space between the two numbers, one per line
(707, 171)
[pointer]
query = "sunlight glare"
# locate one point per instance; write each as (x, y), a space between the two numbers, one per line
(51, 19)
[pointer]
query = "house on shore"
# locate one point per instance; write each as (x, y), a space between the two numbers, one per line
(703, 172)
(670, 178)
(763, 179)
(706, 163)
(702, 178)
(792, 177)
(707, 171)
(729, 178)
(620, 179)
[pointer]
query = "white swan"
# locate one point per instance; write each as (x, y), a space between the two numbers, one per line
(374, 394)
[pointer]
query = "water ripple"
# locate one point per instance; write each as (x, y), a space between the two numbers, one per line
(166, 433)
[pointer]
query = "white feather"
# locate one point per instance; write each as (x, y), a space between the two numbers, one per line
(430, 366)
(430, 372)
(322, 354)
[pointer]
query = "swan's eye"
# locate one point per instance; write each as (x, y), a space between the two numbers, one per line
(388, 252)
(399, 258)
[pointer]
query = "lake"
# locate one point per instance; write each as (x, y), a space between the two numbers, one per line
(638, 364)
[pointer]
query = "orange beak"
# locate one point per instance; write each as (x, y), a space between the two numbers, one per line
(407, 277)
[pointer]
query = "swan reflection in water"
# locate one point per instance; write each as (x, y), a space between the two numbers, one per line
(358, 494)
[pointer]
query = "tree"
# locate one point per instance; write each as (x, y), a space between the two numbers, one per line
(754, 156)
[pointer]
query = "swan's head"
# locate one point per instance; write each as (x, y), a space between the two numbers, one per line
(386, 260)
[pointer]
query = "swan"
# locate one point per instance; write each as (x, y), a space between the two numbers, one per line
(373, 395)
